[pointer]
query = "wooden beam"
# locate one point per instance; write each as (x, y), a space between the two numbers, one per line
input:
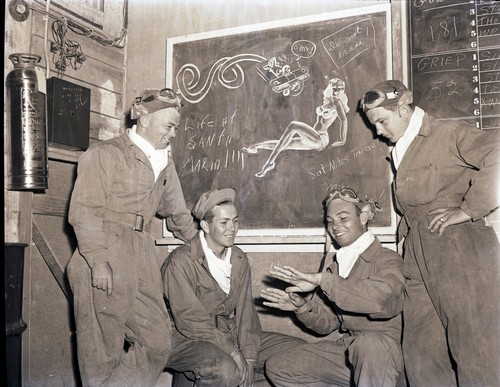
(50, 260)
(48, 205)
(70, 156)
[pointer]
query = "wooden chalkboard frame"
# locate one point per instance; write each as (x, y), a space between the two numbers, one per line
(297, 235)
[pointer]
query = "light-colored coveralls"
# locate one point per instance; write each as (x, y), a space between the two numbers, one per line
(114, 194)
(451, 315)
(366, 307)
(210, 325)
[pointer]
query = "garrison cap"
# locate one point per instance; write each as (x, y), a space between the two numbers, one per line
(210, 199)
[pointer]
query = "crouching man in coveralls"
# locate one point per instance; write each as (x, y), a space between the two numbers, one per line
(217, 339)
(364, 290)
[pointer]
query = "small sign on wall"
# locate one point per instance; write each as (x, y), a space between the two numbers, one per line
(68, 114)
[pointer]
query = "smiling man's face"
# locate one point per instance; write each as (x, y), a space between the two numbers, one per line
(344, 222)
(161, 127)
(221, 231)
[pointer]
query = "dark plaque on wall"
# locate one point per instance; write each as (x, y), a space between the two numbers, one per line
(68, 114)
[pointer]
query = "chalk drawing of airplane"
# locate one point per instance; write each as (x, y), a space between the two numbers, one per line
(291, 82)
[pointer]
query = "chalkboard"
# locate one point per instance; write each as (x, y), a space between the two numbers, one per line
(244, 88)
(455, 54)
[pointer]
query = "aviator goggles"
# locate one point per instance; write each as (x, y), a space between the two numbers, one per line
(377, 98)
(153, 100)
(166, 95)
(347, 194)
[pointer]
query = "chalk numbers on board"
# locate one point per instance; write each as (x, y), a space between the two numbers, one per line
(484, 32)
(441, 89)
(475, 68)
(456, 59)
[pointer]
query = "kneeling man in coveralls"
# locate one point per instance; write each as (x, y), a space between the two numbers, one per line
(364, 289)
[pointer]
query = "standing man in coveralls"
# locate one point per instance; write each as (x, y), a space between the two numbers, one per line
(447, 181)
(123, 329)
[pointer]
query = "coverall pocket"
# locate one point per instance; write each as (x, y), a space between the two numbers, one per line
(418, 186)
(209, 296)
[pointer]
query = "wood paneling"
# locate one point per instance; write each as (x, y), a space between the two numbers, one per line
(49, 356)
(48, 205)
(49, 258)
(102, 72)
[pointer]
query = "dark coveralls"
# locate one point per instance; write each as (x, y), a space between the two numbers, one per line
(114, 199)
(366, 307)
(451, 314)
(211, 325)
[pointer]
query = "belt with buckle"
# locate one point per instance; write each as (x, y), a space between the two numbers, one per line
(139, 223)
(136, 222)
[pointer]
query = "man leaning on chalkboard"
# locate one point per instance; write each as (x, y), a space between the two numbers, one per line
(447, 181)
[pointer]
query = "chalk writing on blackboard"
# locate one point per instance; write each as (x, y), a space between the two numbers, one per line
(228, 71)
(456, 60)
(345, 45)
(271, 111)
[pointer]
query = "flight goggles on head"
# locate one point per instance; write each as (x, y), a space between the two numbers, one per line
(152, 100)
(349, 195)
(386, 93)
(346, 194)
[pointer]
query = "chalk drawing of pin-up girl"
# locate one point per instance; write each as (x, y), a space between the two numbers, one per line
(301, 136)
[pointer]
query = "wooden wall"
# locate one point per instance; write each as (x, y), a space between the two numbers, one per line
(39, 219)
(115, 76)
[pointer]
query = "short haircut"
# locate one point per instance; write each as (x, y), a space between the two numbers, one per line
(209, 215)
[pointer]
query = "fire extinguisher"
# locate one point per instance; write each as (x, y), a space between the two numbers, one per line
(28, 132)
